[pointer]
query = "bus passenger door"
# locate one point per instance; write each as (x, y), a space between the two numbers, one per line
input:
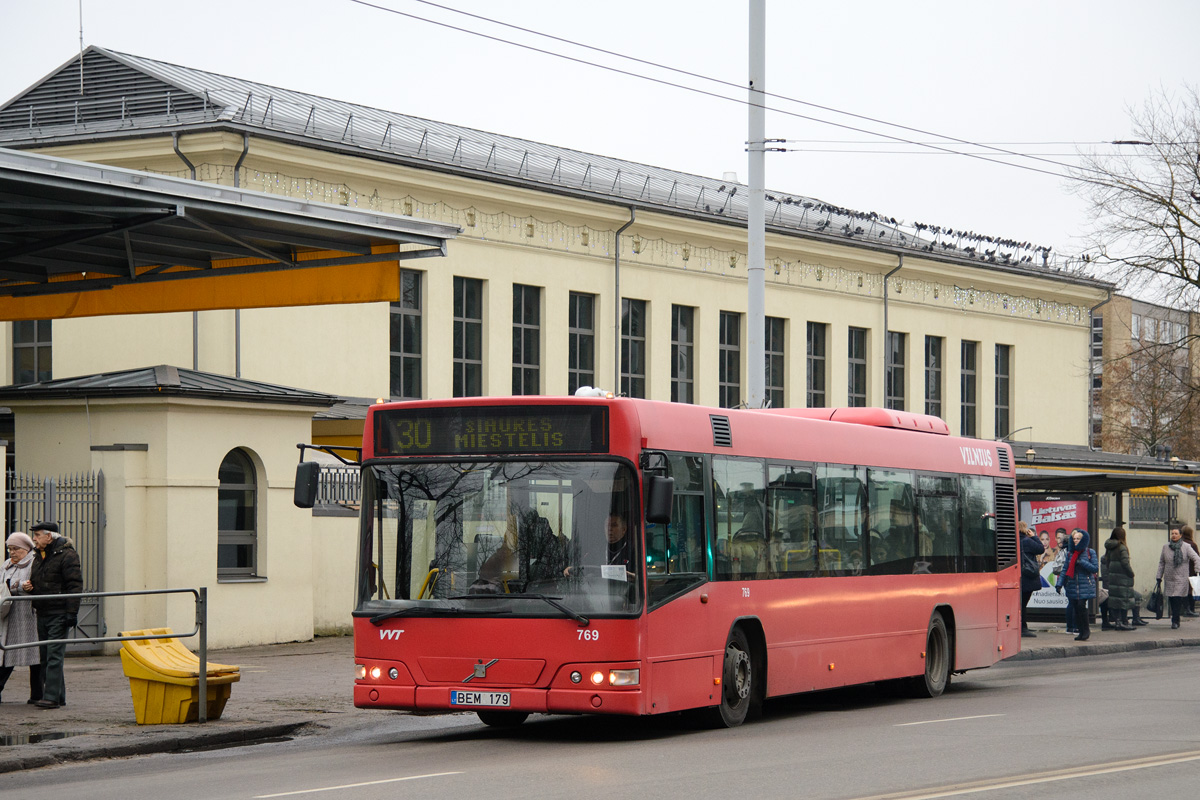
(679, 643)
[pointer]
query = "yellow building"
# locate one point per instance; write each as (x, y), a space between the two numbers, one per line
(569, 269)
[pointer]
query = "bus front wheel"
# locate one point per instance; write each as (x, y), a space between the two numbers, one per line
(937, 660)
(502, 719)
(737, 680)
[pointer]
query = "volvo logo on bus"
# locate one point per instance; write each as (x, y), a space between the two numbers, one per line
(480, 670)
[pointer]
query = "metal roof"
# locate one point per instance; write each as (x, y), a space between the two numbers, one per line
(115, 226)
(127, 95)
(164, 381)
(1050, 467)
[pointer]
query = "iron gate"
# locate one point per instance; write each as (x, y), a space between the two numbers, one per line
(76, 503)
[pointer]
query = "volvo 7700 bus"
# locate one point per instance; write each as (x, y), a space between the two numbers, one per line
(619, 556)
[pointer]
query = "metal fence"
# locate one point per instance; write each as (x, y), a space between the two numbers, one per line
(339, 487)
(76, 502)
(1152, 509)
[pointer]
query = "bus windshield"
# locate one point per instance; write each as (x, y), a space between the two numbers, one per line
(489, 537)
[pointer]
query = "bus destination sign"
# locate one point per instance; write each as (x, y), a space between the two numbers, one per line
(492, 430)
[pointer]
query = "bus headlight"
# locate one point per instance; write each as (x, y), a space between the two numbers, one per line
(624, 677)
(597, 677)
(375, 673)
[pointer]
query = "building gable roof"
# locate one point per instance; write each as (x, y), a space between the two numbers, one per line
(127, 95)
(165, 380)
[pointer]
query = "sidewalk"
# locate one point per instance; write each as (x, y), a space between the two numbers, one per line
(305, 688)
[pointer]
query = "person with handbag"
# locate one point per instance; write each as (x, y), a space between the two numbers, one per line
(1118, 579)
(1189, 602)
(1174, 563)
(1078, 581)
(1031, 579)
(17, 624)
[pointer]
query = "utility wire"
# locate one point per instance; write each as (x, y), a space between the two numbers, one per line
(721, 82)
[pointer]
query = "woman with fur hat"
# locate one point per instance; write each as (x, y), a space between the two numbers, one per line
(17, 623)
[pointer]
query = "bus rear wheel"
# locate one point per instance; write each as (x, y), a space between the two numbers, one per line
(937, 660)
(737, 681)
(502, 719)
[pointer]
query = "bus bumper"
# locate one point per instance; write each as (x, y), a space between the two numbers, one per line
(534, 701)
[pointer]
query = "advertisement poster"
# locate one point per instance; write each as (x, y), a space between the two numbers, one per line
(1053, 518)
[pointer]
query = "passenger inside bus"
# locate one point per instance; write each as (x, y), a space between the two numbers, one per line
(529, 552)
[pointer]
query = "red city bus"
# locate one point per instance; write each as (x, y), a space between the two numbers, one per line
(619, 556)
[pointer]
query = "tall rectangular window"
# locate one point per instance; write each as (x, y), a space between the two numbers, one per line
(729, 365)
(682, 345)
(894, 390)
(817, 334)
(968, 393)
(468, 337)
(1097, 337)
(581, 345)
(526, 338)
(773, 345)
(1003, 390)
(31, 356)
(405, 339)
(856, 373)
(933, 375)
(633, 347)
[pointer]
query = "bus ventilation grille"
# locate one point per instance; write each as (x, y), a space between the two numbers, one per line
(1003, 459)
(722, 433)
(1006, 525)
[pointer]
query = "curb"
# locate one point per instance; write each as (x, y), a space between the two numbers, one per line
(94, 746)
(1069, 651)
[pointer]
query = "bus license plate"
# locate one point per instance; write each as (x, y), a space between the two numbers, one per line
(479, 698)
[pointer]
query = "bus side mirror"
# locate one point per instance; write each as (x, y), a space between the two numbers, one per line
(660, 495)
(307, 475)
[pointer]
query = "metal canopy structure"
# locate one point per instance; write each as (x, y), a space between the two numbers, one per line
(68, 226)
(1059, 468)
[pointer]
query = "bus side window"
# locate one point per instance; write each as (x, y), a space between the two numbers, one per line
(979, 530)
(841, 514)
(892, 545)
(937, 523)
(791, 520)
(741, 542)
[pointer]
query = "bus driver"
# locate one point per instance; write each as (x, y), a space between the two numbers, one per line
(618, 551)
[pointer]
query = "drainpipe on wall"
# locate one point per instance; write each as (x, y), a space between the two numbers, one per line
(887, 350)
(195, 314)
(237, 312)
(617, 294)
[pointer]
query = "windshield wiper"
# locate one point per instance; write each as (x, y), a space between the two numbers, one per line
(575, 615)
(379, 619)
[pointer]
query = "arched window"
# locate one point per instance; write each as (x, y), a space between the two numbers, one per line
(237, 517)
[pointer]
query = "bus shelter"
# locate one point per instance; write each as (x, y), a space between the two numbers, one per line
(1062, 487)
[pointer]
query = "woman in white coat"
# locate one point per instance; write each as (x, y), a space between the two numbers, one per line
(18, 625)
(1177, 555)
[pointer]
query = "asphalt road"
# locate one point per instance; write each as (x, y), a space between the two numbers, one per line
(1102, 727)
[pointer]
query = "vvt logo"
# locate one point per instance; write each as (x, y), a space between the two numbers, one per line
(392, 634)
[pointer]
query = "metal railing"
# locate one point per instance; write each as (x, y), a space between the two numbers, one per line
(339, 486)
(200, 630)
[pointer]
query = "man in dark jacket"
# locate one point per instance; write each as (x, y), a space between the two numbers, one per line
(1031, 579)
(56, 570)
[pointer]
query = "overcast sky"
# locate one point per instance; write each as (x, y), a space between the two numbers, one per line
(1015, 72)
